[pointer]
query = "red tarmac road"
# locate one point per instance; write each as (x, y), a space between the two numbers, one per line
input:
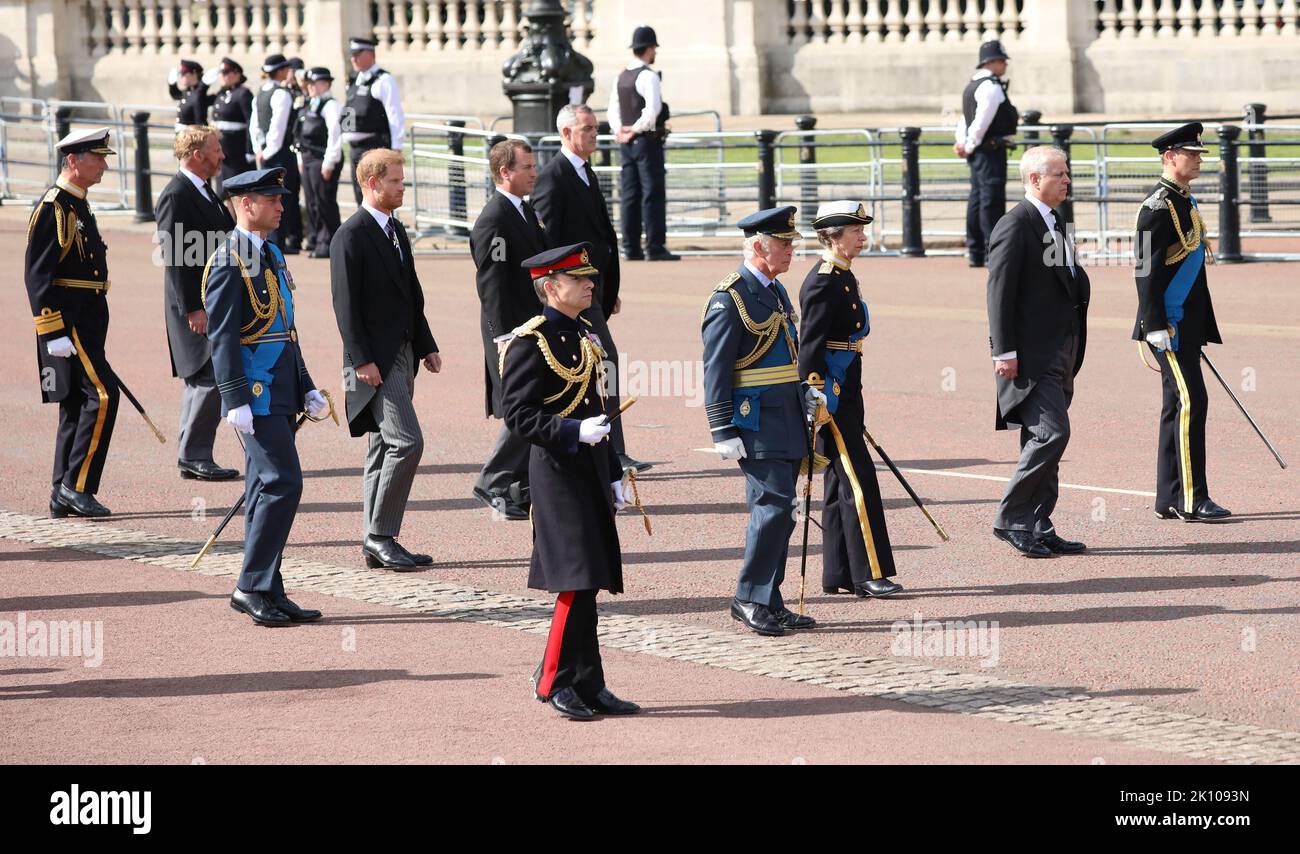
(1191, 619)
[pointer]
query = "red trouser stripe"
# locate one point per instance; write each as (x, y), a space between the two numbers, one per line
(554, 641)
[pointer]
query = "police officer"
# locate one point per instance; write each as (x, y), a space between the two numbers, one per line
(856, 557)
(553, 373)
(988, 120)
(271, 135)
(757, 409)
(263, 381)
(319, 146)
(1176, 319)
(188, 86)
(637, 109)
(374, 117)
(231, 115)
(66, 272)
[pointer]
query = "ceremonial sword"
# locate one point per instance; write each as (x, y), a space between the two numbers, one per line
(140, 409)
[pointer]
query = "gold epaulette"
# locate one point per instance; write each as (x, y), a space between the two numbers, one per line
(826, 268)
(50, 197)
(528, 327)
(726, 283)
(591, 366)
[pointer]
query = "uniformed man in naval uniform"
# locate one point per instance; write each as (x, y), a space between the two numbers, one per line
(1175, 319)
(856, 556)
(758, 409)
(264, 384)
(553, 376)
(373, 115)
(66, 271)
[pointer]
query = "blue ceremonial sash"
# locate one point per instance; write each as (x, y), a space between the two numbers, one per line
(1181, 286)
(260, 357)
(837, 366)
(744, 401)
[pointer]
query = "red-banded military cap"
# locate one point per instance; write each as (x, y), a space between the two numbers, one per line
(574, 260)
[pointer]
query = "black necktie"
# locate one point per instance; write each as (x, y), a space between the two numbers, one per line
(392, 235)
(268, 260)
(530, 216)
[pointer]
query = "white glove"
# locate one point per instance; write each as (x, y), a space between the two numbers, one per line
(620, 497)
(731, 449)
(593, 429)
(812, 399)
(61, 347)
(212, 75)
(173, 76)
(242, 419)
(316, 404)
(1159, 340)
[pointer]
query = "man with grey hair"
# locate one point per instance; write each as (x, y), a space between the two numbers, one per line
(1038, 326)
(569, 201)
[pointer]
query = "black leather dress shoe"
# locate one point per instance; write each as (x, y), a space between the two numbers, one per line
(1024, 542)
(1058, 546)
(567, 702)
(499, 502)
(662, 256)
(385, 551)
(607, 704)
(630, 463)
(80, 503)
(634, 256)
(756, 617)
(1167, 513)
(421, 559)
(204, 470)
(292, 611)
(260, 607)
(876, 588)
(790, 620)
(835, 591)
(1206, 511)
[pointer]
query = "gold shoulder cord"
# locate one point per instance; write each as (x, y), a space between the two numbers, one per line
(766, 332)
(1186, 243)
(262, 311)
(580, 376)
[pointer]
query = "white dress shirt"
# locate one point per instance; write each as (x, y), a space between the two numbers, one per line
(278, 132)
(199, 183)
(253, 238)
(578, 163)
(762, 280)
(648, 87)
(514, 200)
(988, 97)
(385, 91)
(332, 113)
(1049, 219)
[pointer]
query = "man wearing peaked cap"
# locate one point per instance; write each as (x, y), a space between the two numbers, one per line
(375, 118)
(271, 134)
(319, 143)
(757, 408)
(188, 86)
(1175, 320)
(856, 555)
(553, 376)
(66, 273)
(984, 131)
(231, 115)
(263, 381)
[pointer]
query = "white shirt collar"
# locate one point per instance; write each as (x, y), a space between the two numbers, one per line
(199, 183)
(514, 200)
(1049, 216)
(762, 280)
(983, 72)
(253, 238)
(380, 216)
(578, 162)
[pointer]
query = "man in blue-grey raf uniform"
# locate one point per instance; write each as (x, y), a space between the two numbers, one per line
(758, 409)
(264, 384)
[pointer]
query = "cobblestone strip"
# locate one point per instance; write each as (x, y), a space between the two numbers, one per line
(1057, 709)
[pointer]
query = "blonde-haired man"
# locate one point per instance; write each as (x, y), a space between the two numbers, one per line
(379, 306)
(191, 223)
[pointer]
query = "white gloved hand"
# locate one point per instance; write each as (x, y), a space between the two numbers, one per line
(61, 347)
(731, 449)
(812, 399)
(593, 429)
(1159, 340)
(173, 76)
(241, 418)
(620, 497)
(316, 404)
(212, 75)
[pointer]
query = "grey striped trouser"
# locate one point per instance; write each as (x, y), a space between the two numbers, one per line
(394, 452)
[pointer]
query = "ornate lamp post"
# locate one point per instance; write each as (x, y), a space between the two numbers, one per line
(547, 72)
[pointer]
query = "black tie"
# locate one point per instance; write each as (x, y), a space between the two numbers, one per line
(530, 216)
(392, 235)
(269, 260)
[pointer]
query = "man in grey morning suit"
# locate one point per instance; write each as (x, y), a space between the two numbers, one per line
(379, 306)
(1038, 326)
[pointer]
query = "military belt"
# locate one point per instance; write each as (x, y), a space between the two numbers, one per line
(855, 346)
(276, 337)
(751, 377)
(84, 284)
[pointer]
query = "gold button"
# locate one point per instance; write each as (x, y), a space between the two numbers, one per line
(562, 338)
(293, 335)
(846, 289)
(586, 400)
(857, 326)
(575, 358)
(855, 306)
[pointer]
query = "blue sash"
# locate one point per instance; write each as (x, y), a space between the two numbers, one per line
(744, 401)
(260, 358)
(837, 365)
(1181, 286)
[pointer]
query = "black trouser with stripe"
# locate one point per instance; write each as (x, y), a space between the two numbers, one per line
(572, 652)
(856, 542)
(1180, 465)
(86, 417)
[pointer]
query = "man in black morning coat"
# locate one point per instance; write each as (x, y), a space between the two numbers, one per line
(506, 232)
(1038, 327)
(553, 400)
(190, 223)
